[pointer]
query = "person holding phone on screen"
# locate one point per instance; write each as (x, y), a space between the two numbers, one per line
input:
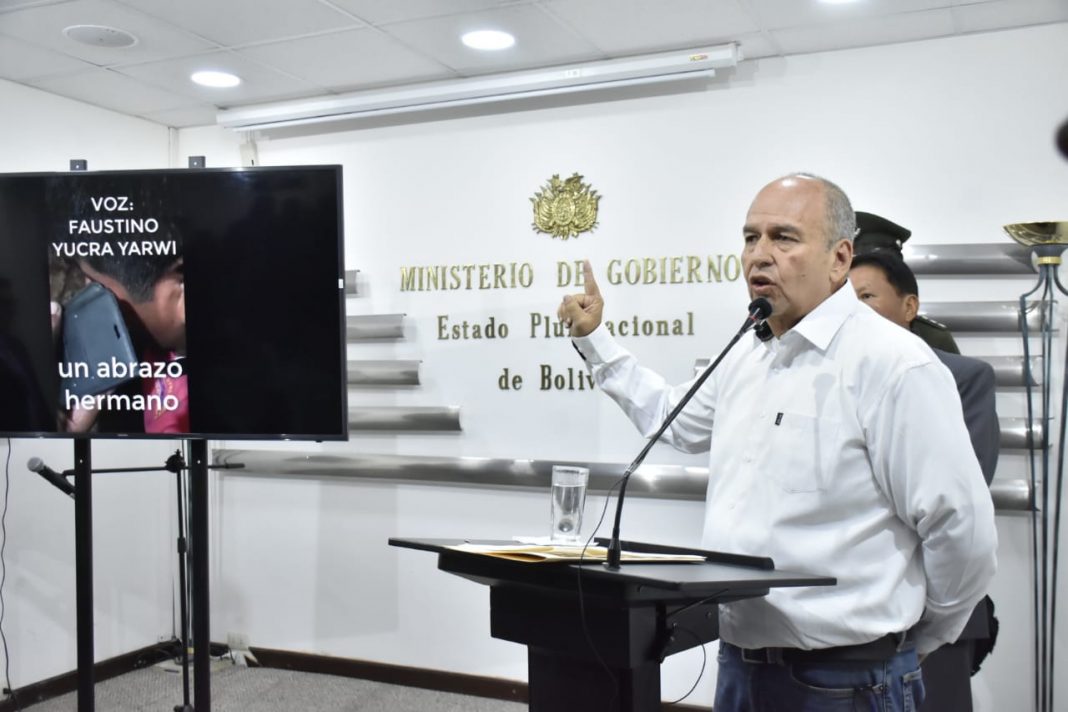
(149, 288)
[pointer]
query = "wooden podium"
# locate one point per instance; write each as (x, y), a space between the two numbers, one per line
(634, 617)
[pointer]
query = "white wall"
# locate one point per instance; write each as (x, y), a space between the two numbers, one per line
(135, 530)
(950, 137)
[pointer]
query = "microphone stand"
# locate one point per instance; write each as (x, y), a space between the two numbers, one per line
(759, 310)
(175, 464)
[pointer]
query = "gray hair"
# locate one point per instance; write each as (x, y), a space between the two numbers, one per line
(841, 220)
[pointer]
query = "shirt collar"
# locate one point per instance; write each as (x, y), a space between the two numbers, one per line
(820, 325)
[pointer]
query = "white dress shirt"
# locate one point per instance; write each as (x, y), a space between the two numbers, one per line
(838, 449)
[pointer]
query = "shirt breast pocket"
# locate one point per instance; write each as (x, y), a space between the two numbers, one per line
(802, 451)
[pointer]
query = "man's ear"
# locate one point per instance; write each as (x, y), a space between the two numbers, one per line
(912, 307)
(843, 260)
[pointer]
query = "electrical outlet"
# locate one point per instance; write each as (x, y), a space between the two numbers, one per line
(237, 641)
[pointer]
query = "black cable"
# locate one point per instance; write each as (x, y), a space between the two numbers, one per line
(1057, 498)
(582, 599)
(701, 674)
(708, 599)
(3, 575)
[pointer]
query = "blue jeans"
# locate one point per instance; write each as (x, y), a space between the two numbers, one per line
(895, 685)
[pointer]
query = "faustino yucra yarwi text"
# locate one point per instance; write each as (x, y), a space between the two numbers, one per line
(109, 233)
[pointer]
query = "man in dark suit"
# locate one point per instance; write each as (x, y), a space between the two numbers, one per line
(884, 282)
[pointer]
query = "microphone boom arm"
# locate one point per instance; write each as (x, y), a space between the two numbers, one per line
(759, 310)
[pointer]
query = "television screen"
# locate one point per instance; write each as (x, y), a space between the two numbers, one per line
(198, 303)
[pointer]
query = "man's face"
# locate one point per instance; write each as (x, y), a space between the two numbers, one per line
(786, 258)
(875, 290)
(163, 315)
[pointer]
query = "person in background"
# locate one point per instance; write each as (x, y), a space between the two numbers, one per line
(836, 447)
(884, 282)
(876, 234)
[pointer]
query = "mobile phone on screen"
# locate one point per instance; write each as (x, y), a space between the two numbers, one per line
(94, 335)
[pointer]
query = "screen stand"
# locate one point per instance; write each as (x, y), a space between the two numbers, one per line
(198, 558)
(198, 509)
(176, 464)
(83, 566)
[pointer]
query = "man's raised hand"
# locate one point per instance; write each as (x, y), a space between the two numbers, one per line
(582, 312)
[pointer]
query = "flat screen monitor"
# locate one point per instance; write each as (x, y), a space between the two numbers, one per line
(173, 303)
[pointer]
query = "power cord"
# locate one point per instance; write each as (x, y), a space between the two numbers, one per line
(3, 576)
(701, 674)
(585, 624)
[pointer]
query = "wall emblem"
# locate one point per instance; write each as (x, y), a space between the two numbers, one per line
(565, 208)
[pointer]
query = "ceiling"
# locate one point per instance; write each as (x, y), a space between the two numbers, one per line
(291, 49)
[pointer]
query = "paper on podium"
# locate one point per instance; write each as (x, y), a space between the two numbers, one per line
(542, 553)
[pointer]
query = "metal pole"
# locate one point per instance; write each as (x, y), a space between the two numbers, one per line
(198, 507)
(83, 556)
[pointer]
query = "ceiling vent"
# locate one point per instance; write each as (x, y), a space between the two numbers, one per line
(100, 36)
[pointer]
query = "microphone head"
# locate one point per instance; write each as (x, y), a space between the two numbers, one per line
(1062, 139)
(760, 308)
(35, 464)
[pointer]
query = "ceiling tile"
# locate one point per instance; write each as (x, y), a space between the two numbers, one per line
(183, 118)
(245, 21)
(258, 83)
(979, 17)
(382, 11)
(6, 5)
(44, 26)
(653, 26)
(103, 87)
(540, 40)
(778, 14)
(348, 60)
(19, 61)
(864, 32)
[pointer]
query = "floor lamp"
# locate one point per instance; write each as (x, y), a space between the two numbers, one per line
(1046, 240)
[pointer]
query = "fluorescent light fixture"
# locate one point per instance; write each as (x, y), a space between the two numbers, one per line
(488, 40)
(628, 71)
(215, 80)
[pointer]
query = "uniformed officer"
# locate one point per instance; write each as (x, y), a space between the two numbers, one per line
(875, 232)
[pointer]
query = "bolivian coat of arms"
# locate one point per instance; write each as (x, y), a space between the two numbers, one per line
(565, 208)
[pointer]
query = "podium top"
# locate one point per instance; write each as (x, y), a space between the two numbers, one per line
(725, 576)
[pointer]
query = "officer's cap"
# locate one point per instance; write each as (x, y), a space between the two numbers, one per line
(878, 233)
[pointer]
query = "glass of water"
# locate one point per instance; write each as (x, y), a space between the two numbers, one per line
(568, 501)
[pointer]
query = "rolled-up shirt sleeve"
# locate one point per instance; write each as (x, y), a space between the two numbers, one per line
(645, 396)
(937, 490)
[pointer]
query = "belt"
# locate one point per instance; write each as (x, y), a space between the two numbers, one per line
(876, 651)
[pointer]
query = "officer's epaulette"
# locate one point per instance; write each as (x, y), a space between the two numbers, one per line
(931, 322)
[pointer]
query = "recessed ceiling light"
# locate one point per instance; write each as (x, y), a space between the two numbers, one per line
(215, 80)
(488, 39)
(100, 36)
(838, 2)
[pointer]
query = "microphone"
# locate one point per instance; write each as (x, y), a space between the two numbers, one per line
(59, 481)
(759, 311)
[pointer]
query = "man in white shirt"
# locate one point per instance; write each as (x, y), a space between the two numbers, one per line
(835, 448)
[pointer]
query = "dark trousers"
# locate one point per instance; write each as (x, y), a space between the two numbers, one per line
(947, 676)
